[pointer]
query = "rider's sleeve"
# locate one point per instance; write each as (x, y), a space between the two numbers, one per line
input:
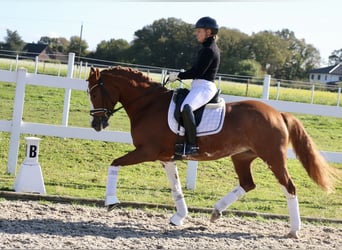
(198, 70)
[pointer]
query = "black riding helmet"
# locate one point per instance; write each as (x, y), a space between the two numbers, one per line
(207, 23)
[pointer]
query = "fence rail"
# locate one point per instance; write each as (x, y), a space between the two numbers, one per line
(84, 62)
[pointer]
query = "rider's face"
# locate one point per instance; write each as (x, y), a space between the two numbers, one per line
(202, 34)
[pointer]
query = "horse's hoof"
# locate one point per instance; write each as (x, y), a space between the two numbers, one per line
(112, 206)
(215, 215)
(111, 200)
(293, 235)
(176, 220)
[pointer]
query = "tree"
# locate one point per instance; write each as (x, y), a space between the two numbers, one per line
(232, 47)
(335, 57)
(270, 50)
(13, 41)
(249, 67)
(302, 57)
(59, 44)
(166, 43)
(78, 47)
(112, 50)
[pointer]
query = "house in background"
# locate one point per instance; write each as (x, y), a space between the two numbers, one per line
(43, 51)
(328, 75)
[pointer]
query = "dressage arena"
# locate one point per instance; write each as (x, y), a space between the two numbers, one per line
(53, 225)
(37, 225)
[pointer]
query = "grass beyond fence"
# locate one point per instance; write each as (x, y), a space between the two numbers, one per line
(76, 167)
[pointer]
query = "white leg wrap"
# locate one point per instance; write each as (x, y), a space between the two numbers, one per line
(177, 194)
(231, 197)
(112, 180)
(293, 206)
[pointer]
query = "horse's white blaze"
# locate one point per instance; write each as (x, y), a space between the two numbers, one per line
(91, 107)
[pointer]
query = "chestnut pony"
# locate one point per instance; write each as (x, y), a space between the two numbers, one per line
(251, 129)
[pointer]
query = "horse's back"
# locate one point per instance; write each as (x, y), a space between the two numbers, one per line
(251, 104)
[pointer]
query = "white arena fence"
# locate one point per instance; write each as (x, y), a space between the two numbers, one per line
(16, 126)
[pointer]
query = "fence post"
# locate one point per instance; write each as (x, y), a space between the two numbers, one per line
(191, 175)
(338, 96)
(312, 92)
(278, 90)
(163, 75)
(67, 95)
(266, 88)
(36, 65)
(16, 62)
(18, 109)
(80, 69)
(85, 70)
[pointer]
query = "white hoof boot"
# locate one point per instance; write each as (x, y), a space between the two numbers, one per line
(293, 235)
(215, 215)
(111, 202)
(176, 220)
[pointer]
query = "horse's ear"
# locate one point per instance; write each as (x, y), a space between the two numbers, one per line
(97, 74)
(92, 71)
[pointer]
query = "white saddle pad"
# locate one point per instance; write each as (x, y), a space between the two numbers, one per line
(211, 123)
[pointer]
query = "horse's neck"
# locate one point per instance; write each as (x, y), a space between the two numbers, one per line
(144, 101)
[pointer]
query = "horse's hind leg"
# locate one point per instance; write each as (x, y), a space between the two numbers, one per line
(242, 164)
(177, 194)
(277, 163)
(279, 169)
(293, 206)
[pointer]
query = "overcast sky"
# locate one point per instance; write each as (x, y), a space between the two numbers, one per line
(318, 22)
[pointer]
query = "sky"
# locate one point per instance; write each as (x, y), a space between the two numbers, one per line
(317, 22)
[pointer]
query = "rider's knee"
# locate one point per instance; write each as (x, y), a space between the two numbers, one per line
(187, 108)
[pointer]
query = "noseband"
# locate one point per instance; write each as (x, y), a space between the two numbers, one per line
(107, 112)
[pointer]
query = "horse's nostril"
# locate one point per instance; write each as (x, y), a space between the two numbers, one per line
(105, 123)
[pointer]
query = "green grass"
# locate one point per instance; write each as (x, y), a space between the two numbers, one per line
(79, 167)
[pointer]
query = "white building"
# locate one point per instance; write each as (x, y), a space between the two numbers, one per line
(330, 75)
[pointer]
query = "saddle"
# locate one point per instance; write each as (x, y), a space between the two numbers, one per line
(178, 98)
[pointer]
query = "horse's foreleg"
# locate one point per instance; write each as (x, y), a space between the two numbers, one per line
(177, 194)
(293, 206)
(226, 201)
(111, 200)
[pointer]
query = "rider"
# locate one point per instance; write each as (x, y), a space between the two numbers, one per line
(203, 72)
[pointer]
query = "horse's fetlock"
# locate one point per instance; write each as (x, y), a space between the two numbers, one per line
(248, 187)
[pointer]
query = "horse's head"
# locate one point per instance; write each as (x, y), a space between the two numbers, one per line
(101, 99)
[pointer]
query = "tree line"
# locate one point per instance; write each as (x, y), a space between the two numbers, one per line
(171, 43)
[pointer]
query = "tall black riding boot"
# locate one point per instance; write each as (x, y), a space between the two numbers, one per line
(190, 131)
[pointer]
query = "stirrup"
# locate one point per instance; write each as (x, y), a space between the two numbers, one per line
(182, 150)
(179, 151)
(191, 149)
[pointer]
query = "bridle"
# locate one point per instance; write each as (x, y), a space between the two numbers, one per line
(107, 112)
